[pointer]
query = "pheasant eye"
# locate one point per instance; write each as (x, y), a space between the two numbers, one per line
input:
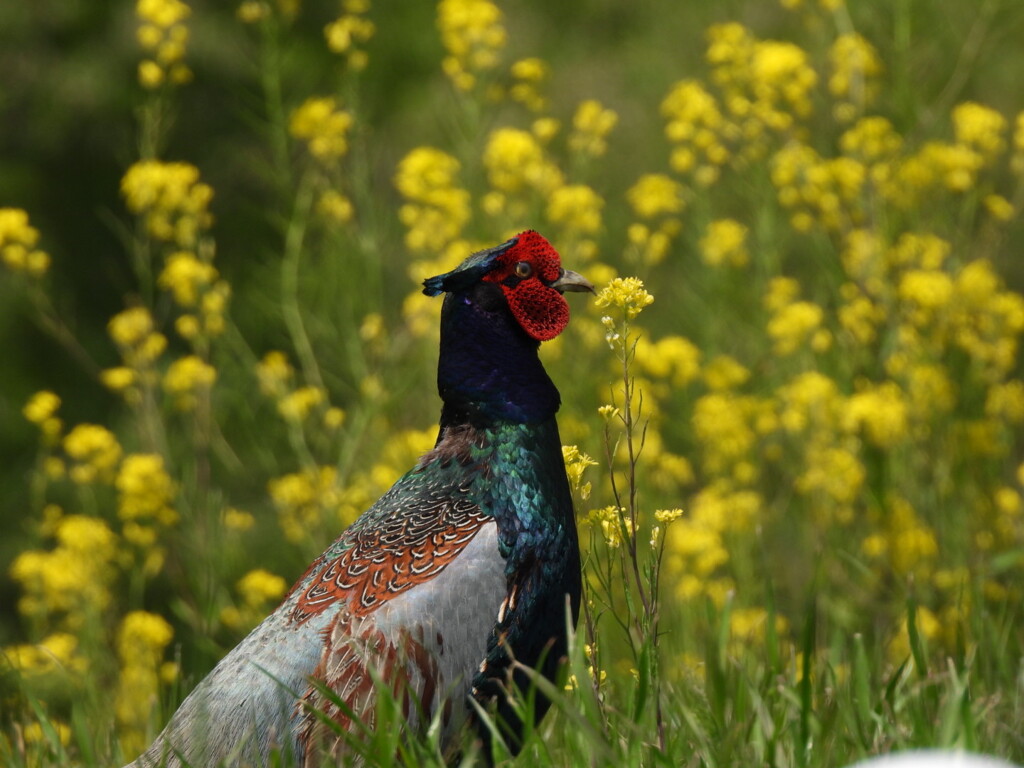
(524, 269)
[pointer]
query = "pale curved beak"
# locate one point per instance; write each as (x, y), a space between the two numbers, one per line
(572, 281)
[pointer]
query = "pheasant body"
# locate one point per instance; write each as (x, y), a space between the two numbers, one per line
(469, 561)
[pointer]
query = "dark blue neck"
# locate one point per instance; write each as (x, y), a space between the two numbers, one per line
(488, 368)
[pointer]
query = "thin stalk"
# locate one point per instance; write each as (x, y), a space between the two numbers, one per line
(293, 244)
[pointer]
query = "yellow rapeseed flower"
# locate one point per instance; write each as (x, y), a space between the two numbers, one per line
(172, 200)
(162, 35)
(238, 520)
(882, 412)
(626, 293)
(186, 277)
(335, 207)
(999, 207)
(516, 163)
(141, 641)
(981, 128)
(142, 638)
(145, 490)
(871, 139)
(577, 207)
(473, 35)
(576, 462)
(324, 126)
(296, 405)
(303, 498)
(927, 289)
(698, 131)
(1005, 401)
(73, 579)
(591, 125)
(528, 75)
(725, 243)
(95, 451)
(654, 195)
(274, 373)
(666, 516)
(260, 586)
(186, 377)
(721, 421)
(17, 244)
(724, 372)
(133, 331)
(346, 34)
(41, 410)
(856, 69)
(796, 325)
(674, 358)
(437, 208)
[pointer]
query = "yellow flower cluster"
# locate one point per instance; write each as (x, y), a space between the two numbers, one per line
(674, 359)
(257, 589)
(172, 200)
(517, 165)
(437, 208)
(140, 345)
(724, 422)
(274, 373)
(94, 452)
(795, 324)
(194, 284)
(611, 522)
(881, 411)
(295, 404)
(699, 132)
(305, 500)
(238, 520)
(908, 543)
(766, 83)
(163, 35)
(590, 128)
(695, 545)
(576, 463)
(145, 493)
(819, 191)
(335, 207)
(527, 77)
(142, 640)
(185, 276)
(41, 410)
(349, 31)
(473, 36)
(654, 195)
(725, 243)
(70, 583)
(576, 208)
(749, 626)
(324, 126)
(18, 241)
(981, 129)
(188, 378)
(298, 404)
(855, 76)
(627, 294)
(658, 200)
(56, 655)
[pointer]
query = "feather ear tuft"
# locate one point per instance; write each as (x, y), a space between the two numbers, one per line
(468, 272)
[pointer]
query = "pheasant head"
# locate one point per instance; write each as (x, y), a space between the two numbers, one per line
(500, 304)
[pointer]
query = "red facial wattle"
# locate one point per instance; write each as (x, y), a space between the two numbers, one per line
(539, 309)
